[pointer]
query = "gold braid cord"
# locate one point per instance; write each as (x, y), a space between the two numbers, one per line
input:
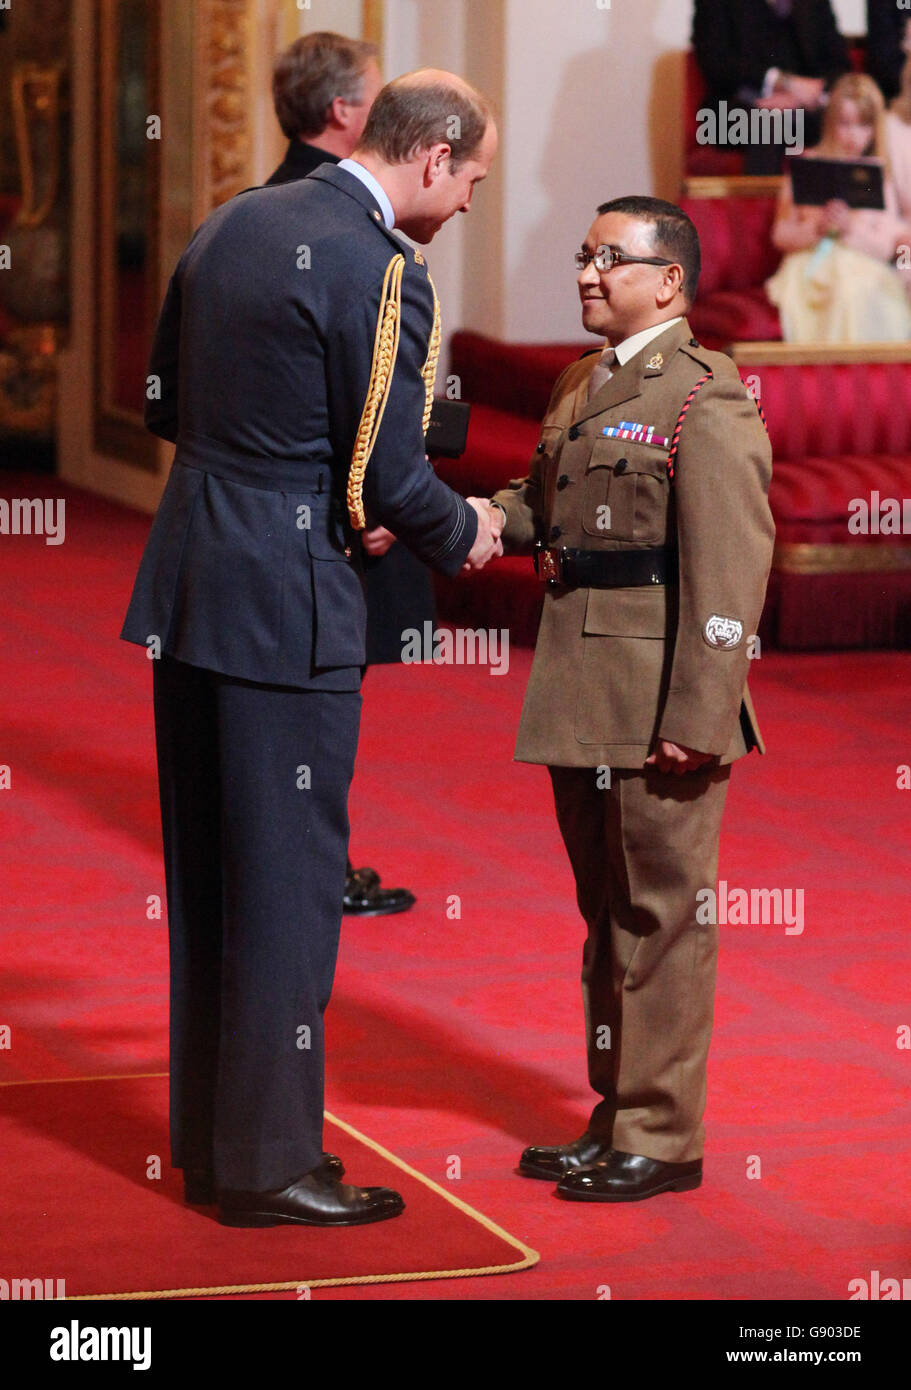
(429, 370)
(385, 351)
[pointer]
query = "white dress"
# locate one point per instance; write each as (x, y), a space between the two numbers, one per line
(844, 289)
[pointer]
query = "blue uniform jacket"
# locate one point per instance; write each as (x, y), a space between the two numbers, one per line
(259, 373)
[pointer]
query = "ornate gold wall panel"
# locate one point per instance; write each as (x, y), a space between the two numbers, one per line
(126, 221)
(226, 99)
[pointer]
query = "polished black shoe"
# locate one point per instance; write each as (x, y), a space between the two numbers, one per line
(199, 1183)
(313, 1200)
(629, 1178)
(538, 1162)
(365, 898)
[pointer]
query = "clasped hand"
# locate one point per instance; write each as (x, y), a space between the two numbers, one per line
(487, 542)
(378, 539)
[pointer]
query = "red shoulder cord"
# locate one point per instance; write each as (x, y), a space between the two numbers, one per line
(675, 441)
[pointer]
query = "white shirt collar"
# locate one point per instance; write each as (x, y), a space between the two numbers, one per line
(630, 346)
(372, 186)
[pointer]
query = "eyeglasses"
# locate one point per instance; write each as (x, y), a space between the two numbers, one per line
(606, 257)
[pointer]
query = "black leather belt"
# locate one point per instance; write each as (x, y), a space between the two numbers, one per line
(605, 569)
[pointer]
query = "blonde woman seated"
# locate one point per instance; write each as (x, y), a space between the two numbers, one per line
(838, 281)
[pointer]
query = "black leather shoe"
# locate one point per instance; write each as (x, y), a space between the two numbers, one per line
(199, 1183)
(365, 878)
(365, 898)
(313, 1200)
(537, 1162)
(629, 1178)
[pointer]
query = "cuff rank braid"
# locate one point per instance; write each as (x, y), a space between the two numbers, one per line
(385, 351)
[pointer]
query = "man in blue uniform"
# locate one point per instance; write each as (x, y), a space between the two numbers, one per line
(323, 86)
(293, 368)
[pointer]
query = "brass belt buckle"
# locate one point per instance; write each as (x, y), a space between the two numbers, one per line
(548, 569)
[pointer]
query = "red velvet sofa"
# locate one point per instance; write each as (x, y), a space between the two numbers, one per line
(840, 431)
(735, 233)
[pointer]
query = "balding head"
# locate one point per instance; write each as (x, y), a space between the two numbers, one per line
(425, 109)
(434, 77)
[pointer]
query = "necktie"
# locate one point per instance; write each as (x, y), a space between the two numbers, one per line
(604, 370)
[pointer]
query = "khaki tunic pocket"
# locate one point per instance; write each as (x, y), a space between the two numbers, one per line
(624, 664)
(626, 492)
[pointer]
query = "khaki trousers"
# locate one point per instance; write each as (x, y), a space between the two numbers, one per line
(640, 851)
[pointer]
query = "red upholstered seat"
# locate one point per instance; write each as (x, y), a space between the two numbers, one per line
(517, 377)
(823, 410)
(737, 258)
(500, 447)
(811, 498)
(736, 239)
(839, 432)
(735, 316)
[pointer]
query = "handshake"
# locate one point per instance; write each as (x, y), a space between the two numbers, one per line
(487, 544)
(491, 519)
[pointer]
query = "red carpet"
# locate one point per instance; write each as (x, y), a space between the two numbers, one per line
(83, 1202)
(460, 1038)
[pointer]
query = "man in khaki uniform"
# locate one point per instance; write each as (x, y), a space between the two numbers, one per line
(646, 504)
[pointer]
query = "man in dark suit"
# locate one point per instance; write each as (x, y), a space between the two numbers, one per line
(323, 86)
(293, 368)
(888, 29)
(772, 54)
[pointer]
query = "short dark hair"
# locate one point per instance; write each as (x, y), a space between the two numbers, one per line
(411, 116)
(674, 235)
(310, 74)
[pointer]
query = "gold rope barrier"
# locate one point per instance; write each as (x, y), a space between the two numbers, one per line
(529, 1257)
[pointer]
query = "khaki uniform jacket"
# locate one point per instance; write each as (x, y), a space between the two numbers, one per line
(616, 669)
